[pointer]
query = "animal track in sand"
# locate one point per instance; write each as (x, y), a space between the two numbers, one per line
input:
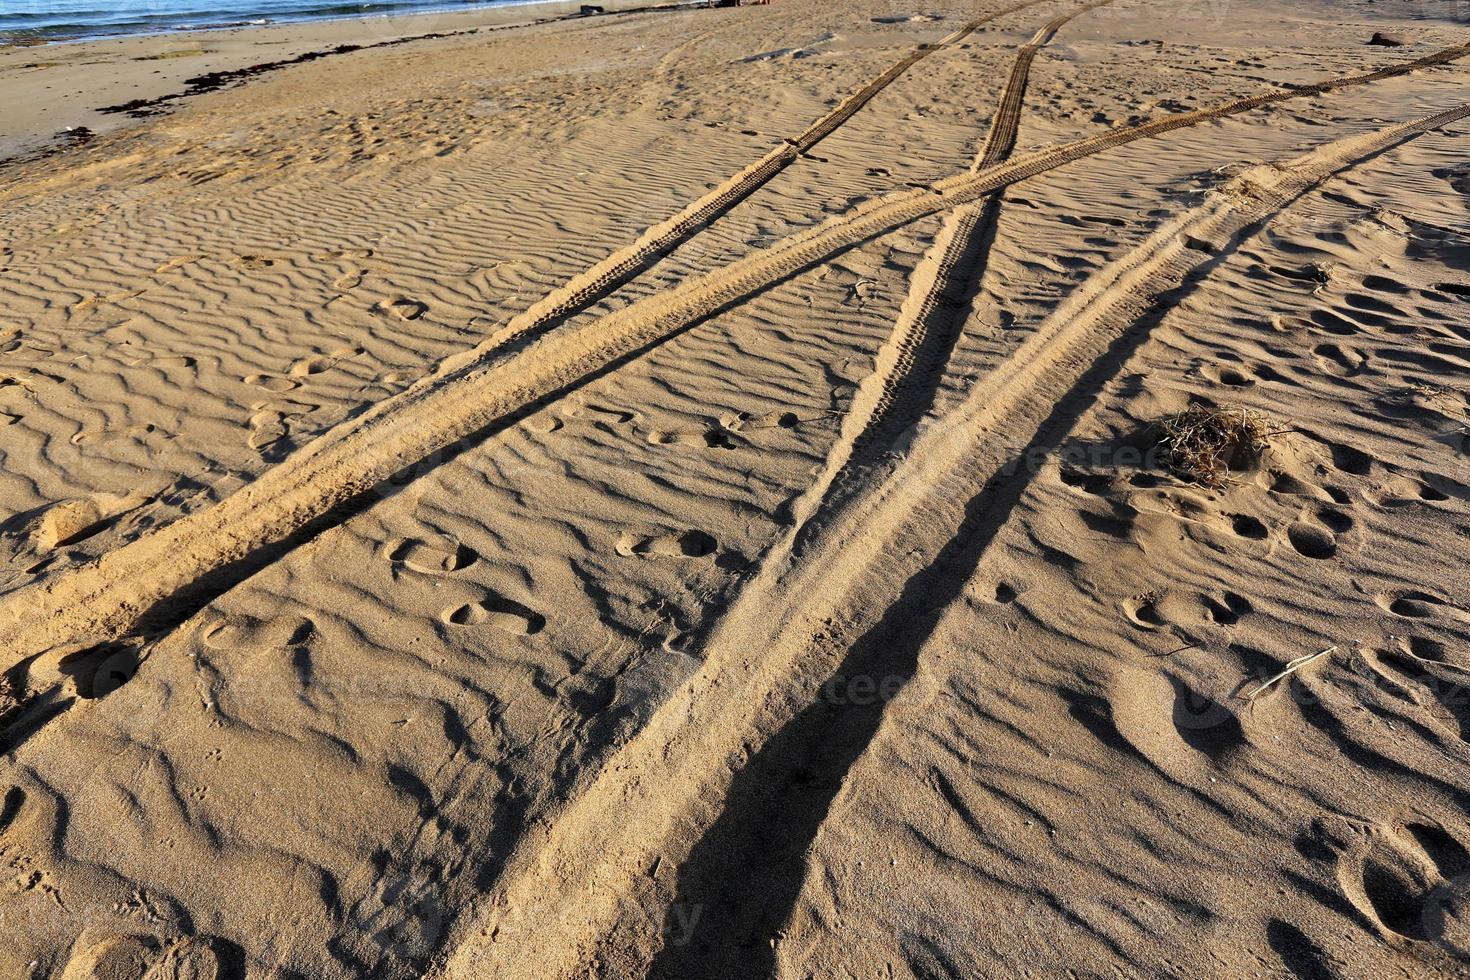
(244, 632)
(1312, 540)
(254, 262)
(1142, 611)
(432, 556)
(499, 612)
(690, 544)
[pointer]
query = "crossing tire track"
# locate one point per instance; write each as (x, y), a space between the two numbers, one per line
(622, 266)
(867, 585)
(109, 597)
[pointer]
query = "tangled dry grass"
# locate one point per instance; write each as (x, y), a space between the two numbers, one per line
(1202, 445)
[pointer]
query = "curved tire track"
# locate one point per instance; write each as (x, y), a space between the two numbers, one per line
(940, 292)
(866, 584)
(107, 599)
(660, 240)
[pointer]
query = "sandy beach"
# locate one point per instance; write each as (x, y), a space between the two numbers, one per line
(804, 490)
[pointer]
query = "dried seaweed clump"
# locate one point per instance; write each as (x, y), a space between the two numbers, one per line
(1202, 445)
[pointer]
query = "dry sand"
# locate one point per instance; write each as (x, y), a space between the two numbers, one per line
(676, 494)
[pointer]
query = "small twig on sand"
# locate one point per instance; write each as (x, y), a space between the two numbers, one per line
(1291, 668)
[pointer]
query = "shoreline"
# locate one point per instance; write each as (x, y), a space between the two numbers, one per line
(69, 92)
(18, 39)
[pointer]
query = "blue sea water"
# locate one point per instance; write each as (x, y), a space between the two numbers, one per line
(65, 19)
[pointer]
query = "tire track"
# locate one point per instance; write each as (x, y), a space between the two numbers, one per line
(940, 293)
(487, 385)
(658, 241)
(860, 600)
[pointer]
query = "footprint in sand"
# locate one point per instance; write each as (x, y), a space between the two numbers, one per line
(690, 544)
(604, 414)
(1410, 880)
(318, 363)
(110, 956)
(177, 263)
(777, 420)
(1167, 719)
(714, 438)
(345, 253)
(164, 361)
(267, 428)
(254, 262)
(405, 308)
(69, 522)
(1233, 377)
(1097, 484)
(93, 437)
(741, 421)
(272, 382)
(76, 520)
(438, 555)
(1340, 360)
(1346, 459)
(1413, 604)
(1291, 486)
(1248, 527)
(498, 612)
(1312, 540)
(1228, 610)
(349, 281)
(244, 632)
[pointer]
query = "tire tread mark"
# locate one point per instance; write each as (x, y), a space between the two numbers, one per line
(767, 658)
(107, 598)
